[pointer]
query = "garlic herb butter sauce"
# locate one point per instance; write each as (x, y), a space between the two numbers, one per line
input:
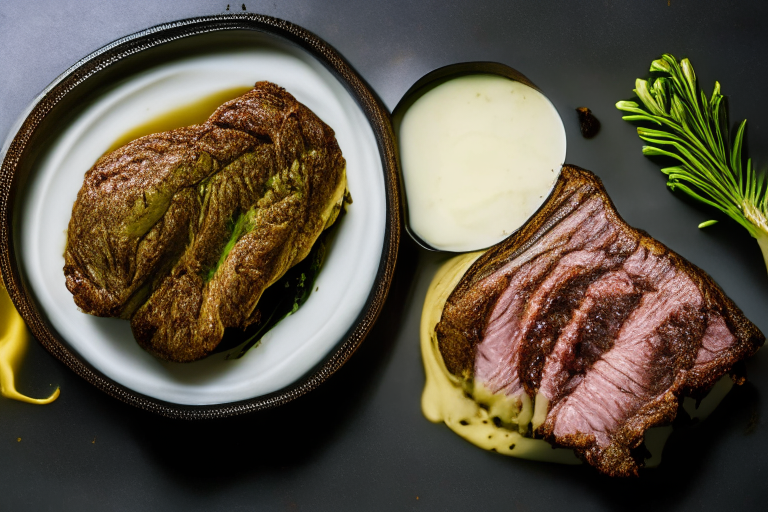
(444, 399)
(480, 154)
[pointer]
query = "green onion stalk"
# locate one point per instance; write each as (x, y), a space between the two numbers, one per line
(693, 130)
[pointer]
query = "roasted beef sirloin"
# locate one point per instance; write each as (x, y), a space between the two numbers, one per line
(182, 231)
(585, 332)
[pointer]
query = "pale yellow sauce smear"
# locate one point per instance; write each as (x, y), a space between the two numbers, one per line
(444, 399)
(196, 112)
(14, 340)
(479, 154)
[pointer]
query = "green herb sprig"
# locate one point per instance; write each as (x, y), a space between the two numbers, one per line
(693, 130)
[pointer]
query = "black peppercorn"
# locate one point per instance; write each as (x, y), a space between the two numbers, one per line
(590, 125)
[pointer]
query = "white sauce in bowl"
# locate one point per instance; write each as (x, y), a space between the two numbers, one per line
(480, 154)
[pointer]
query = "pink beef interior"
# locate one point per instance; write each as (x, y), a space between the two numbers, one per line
(605, 323)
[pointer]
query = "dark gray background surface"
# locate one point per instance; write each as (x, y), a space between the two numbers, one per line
(359, 442)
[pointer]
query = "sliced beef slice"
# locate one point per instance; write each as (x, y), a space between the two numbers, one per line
(590, 330)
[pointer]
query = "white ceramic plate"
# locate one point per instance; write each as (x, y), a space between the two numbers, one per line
(299, 343)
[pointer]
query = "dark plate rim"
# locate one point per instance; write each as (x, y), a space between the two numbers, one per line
(108, 55)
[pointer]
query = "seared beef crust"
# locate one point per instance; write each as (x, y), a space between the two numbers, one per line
(182, 231)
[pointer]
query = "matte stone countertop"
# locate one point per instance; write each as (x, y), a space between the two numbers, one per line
(360, 442)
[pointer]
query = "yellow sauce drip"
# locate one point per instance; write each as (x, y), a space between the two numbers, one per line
(14, 340)
(196, 112)
(444, 398)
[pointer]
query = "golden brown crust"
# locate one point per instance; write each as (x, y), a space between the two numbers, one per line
(182, 231)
